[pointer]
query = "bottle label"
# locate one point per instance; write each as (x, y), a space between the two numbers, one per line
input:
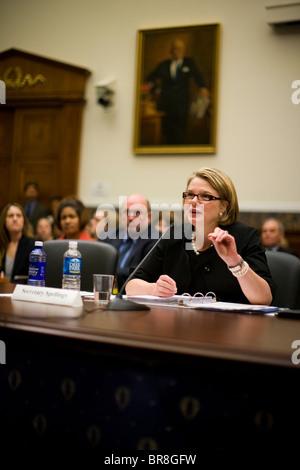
(37, 270)
(72, 266)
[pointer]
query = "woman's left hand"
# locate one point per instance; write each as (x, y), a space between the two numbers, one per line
(225, 246)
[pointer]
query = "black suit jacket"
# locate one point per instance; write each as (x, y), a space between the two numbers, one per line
(141, 248)
(175, 93)
(21, 263)
(39, 211)
(206, 272)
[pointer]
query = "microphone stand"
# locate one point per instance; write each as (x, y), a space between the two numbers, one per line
(118, 303)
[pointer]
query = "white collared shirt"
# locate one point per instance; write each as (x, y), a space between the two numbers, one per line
(175, 65)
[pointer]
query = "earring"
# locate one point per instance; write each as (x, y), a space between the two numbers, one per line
(220, 214)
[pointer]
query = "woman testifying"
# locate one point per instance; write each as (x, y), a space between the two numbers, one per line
(214, 252)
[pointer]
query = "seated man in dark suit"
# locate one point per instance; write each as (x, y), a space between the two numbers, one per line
(133, 239)
(273, 236)
(34, 209)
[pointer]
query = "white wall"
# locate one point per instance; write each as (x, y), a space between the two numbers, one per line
(258, 126)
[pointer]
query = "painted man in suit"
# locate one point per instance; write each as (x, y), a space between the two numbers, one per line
(133, 239)
(171, 80)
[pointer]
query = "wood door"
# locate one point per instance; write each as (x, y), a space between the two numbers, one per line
(6, 151)
(36, 153)
(40, 126)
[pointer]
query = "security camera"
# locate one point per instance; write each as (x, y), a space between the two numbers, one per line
(105, 98)
(105, 90)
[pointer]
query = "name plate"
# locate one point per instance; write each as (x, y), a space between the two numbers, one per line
(47, 295)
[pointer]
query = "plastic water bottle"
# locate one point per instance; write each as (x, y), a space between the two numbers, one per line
(37, 265)
(72, 267)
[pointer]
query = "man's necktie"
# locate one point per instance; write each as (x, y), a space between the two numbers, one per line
(124, 252)
(178, 67)
(28, 209)
(175, 69)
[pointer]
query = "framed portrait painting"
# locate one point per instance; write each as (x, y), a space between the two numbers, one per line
(176, 90)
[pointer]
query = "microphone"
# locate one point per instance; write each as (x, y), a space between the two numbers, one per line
(118, 303)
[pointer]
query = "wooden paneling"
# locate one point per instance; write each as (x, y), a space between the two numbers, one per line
(38, 133)
(6, 149)
(40, 125)
(45, 172)
(293, 238)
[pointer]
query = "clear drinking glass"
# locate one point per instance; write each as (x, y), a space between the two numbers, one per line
(102, 287)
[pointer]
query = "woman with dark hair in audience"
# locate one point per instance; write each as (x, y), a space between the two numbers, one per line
(72, 217)
(16, 243)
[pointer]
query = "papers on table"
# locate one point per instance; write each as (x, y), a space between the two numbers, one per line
(202, 303)
(174, 301)
(235, 307)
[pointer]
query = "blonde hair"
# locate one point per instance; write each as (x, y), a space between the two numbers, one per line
(225, 188)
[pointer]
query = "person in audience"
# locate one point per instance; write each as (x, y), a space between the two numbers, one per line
(34, 209)
(92, 224)
(44, 229)
(133, 237)
(54, 204)
(273, 236)
(72, 217)
(16, 243)
(212, 252)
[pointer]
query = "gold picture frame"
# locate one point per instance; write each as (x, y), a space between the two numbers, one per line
(176, 112)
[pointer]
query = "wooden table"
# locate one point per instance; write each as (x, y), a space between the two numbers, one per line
(166, 368)
(241, 337)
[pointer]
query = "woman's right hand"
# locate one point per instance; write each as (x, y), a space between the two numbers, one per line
(165, 286)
